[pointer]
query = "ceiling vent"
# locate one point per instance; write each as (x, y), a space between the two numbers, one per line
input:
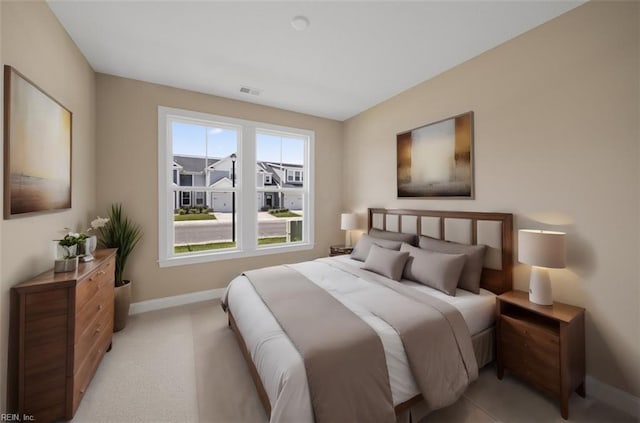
(249, 90)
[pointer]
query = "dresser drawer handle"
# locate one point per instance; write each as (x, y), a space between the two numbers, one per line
(99, 306)
(98, 330)
(91, 279)
(102, 272)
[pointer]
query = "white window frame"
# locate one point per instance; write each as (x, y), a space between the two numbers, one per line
(246, 207)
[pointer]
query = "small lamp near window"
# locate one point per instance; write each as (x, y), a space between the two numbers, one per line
(542, 250)
(348, 222)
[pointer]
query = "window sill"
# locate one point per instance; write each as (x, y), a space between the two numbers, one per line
(206, 257)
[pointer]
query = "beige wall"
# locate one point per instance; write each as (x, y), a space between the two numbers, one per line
(36, 45)
(556, 143)
(127, 172)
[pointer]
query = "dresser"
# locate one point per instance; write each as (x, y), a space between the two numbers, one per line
(61, 325)
(542, 345)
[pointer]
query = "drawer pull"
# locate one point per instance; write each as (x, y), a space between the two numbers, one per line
(91, 279)
(99, 306)
(82, 390)
(102, 272)
(98, 330)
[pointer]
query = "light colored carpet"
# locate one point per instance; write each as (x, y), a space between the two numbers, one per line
(184, 365)
(225, 389)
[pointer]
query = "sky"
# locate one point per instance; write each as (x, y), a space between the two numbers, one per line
(200, 140)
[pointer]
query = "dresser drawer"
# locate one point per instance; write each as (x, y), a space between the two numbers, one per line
(103, 323)
(101, 303)
(92, 283)
(83, 375)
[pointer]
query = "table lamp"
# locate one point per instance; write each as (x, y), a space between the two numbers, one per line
(348, 221)
(542, 250)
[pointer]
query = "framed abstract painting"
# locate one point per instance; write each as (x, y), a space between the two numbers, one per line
(37, 148)
(436, 160)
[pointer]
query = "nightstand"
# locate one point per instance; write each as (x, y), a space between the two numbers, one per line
(339, 250)
(542, 345)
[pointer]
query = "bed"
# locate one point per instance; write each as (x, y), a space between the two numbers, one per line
(277, 367)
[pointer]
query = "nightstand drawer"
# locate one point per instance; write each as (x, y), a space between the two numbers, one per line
(529, 333)
(539, 366)
(534, 372)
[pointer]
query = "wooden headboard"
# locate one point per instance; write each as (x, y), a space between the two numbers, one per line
(495, 230)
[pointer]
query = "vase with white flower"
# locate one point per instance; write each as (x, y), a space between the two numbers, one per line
(88, 246)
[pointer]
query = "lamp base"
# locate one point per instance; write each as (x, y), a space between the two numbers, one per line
(540, 286)
(347, 238)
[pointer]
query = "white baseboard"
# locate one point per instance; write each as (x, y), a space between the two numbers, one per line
(166, 302)
(614, 397)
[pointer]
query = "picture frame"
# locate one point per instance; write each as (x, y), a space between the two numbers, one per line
(436, 160)
(37, 148)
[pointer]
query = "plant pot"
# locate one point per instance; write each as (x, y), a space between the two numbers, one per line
(65, 265)
(121, 306)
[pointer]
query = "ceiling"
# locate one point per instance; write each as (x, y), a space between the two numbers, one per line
(353, 55)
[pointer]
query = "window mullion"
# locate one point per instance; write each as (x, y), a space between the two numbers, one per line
(247, 208)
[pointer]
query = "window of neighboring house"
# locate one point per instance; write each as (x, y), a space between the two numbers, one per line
(175, 176)
(230, 187)
(294, 175)
(200, 198)
(185, 196)
(185, 199)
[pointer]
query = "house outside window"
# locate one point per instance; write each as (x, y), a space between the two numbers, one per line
(223, 176)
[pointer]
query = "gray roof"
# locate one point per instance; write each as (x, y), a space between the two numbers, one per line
(194, 164)
(197, 164)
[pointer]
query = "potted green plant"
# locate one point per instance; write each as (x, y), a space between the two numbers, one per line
(69, 261)
(121, 233)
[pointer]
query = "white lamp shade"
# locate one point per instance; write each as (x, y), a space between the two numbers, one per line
(348, 221)
(542, 248)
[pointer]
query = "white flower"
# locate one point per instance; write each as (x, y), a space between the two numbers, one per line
(99, 222)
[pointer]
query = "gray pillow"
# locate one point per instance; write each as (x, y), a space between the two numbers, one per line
(361, 250)
(385, 262)
(472, 270)
(393, 236)
(437, 270)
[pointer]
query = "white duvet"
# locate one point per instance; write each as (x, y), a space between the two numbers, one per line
(279, 364)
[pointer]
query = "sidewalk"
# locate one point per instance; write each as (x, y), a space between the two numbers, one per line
(226, 218)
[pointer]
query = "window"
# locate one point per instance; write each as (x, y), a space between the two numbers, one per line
(219, 208)
(294, 175)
